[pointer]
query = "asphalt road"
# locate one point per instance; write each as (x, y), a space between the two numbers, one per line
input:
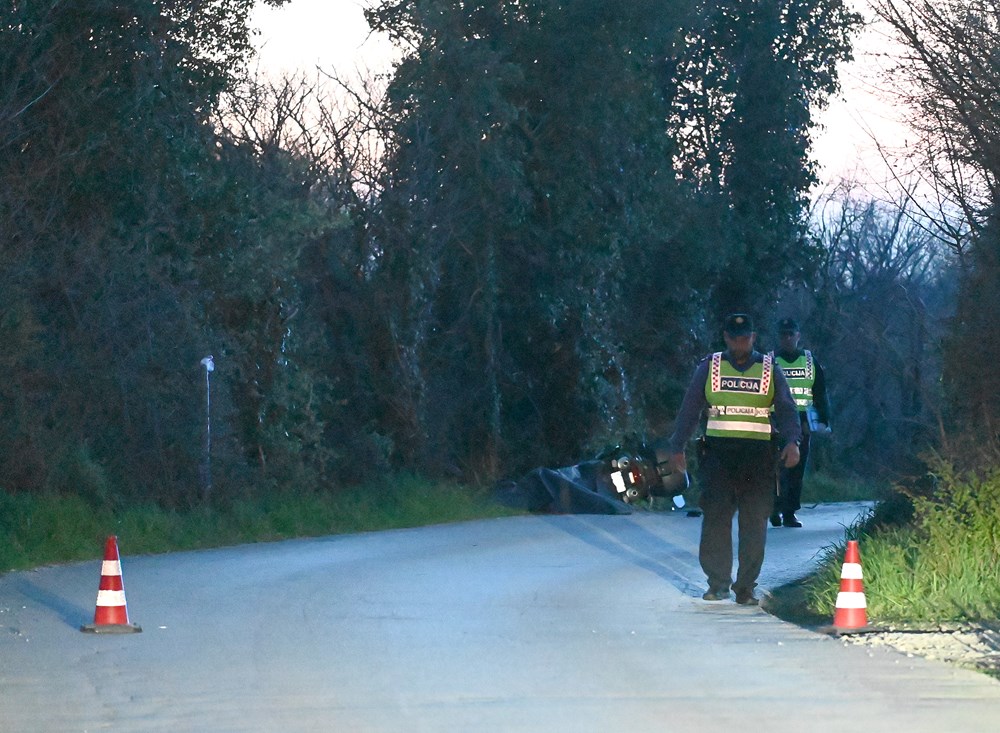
(556, 623)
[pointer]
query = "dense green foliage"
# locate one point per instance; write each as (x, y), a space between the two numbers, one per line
(568, 241)
(136, 239)
(527, 269)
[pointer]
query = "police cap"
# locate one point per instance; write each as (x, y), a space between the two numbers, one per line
(788, 325)
(738, 324)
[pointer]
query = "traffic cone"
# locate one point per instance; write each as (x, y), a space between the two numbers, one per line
(851, 614)
(111, 613)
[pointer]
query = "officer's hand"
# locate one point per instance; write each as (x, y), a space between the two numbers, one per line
(790, 456)
(678, 462)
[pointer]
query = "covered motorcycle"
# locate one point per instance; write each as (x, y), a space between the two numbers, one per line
(618, 480)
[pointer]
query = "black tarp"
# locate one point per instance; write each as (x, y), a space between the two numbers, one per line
(585, 488)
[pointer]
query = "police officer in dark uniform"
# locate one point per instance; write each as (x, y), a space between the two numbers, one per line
(737, 388)
(808, 384)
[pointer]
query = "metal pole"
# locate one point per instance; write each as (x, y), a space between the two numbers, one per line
(206, 468)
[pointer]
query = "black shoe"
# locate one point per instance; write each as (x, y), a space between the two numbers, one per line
(716, 594)
(790, 520)
(776, 520)
(746, 598)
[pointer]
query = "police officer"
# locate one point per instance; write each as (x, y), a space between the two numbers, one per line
(808, 384)
(739, 387)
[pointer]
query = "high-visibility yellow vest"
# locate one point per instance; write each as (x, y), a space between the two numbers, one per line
(739, 402)
(801, 376)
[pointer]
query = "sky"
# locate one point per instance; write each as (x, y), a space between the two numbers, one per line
(862, 117)
(334, 35)
(331, 34)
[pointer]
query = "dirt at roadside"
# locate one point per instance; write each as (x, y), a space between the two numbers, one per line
(969, 645)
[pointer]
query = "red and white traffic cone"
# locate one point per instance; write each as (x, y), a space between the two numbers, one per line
(111, 613)
(851, 612)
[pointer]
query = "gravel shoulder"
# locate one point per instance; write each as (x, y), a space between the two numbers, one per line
(974, 646)
(971, 646)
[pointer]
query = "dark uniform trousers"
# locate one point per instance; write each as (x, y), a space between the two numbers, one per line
(737, 477)
(790, 493)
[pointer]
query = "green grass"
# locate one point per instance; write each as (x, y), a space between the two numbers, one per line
(821, 487)
(940, 565)
(50, 529)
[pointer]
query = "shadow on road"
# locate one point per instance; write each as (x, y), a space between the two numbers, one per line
(639, 546)
(68, 612)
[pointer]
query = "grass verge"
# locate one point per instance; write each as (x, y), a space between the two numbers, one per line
(928, 555)
(52, 529)
(942, 564)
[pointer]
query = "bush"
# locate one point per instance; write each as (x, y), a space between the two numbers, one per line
(824, 486)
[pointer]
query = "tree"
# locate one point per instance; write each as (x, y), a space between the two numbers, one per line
(333, 322)
(950, 71)
(876, 313)
(135, 240)
(745, 81)
(947, 76)
(543, 238)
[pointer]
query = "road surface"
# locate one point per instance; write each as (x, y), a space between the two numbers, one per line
(547, 623)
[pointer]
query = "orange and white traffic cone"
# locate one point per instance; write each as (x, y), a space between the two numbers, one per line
(111, 613)
(851, 612)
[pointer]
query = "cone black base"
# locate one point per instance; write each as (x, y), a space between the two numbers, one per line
(111, 628)
(847, 630)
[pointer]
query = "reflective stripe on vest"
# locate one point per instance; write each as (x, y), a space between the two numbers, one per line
(801, 376)
(739, 402)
